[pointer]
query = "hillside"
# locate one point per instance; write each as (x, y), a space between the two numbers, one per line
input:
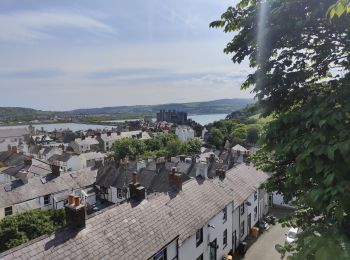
(224, 106)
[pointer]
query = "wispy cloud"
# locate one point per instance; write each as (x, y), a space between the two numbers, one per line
(26, 25)
(32, 74)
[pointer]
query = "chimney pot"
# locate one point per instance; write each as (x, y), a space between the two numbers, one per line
(135, 178)
(76, 201)
(71, 199)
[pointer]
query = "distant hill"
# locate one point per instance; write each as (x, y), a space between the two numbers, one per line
(222, 106)
(206, 107)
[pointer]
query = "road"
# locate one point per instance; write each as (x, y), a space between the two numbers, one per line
(264, 247)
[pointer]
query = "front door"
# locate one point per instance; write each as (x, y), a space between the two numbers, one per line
(249, 222)
(234, 240)
(213, 250)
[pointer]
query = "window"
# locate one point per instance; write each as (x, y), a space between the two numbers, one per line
(242, 229)
(199, 237)
(8, 211)
(200, 257)
(242, 209)
(255, 195)
(47, 200)
(225, 214)
(224, 239)
(161, 255)
(119, 193)
(255, 213)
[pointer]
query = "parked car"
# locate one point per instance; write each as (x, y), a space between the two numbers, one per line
(291, 235)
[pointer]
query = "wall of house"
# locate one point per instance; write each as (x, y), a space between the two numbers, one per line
(235, 226)
(113, 195)
(277, 200)
(74, 163)
(189, 250)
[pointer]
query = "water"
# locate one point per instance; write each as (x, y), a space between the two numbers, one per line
(206, 119)
(201, 119)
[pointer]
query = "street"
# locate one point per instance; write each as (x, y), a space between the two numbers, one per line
(264, 247)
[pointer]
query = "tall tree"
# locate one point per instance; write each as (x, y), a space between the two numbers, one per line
(300, 62)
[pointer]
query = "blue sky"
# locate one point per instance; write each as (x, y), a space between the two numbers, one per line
(61, 54)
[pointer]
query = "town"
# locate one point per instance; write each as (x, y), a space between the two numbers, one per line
(206, 196)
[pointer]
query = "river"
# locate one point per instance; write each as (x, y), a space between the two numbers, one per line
(201, 119)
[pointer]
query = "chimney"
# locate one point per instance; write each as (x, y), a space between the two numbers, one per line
(175, 179)
(55, 169)
(83, 137)
(75, 212)
(137, 192)
(28, 161)
(98, 134)
(109, 133)
(202, 169)
(23, 176)
(135, 178)
(221, 173)
(119, 133)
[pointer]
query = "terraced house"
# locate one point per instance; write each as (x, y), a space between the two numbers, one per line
(198, 219)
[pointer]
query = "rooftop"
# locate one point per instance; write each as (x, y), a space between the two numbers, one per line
(138, 231)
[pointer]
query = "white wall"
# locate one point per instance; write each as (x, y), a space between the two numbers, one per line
(189, 250)
(74, 163)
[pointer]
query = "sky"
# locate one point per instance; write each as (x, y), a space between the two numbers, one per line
(63, 54)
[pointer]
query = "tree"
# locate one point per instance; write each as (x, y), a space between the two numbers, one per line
(253, 134)
(239, 134)
(300, 62)
(216, 137)
(194, 145)
(20, 228)
(127, 146)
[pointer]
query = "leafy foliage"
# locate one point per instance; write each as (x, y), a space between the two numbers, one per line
(20, 228)
(163, 145)
(301, 77)
(339, 8)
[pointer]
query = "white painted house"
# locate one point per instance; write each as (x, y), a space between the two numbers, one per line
(12, 139)
(184, 132)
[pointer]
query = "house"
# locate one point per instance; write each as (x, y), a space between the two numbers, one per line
(199, 220)
(106, 140)
(85, 144)
(41, 139)
(91, 159)
(31, 191)
(47, 152)
(153, 176)
(67, 161)
(12, 139)
(184, 132)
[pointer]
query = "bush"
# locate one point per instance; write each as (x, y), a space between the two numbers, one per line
(20, 228)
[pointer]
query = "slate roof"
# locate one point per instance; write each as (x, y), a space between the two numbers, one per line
(13, 132)
(36, 187)
(12, 159)
(130, 231)
(149, 178)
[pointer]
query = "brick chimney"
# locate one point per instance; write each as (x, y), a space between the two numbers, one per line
(75, 212)
(109, 133)
(83, 137)
(56, 170)
(28, 161)
(135, 178)
(98, 134)
(175, 179)
(221, 173)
